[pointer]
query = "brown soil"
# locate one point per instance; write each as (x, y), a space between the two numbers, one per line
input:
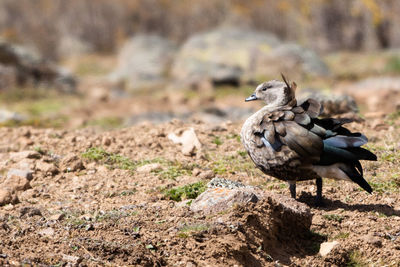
(104, 215)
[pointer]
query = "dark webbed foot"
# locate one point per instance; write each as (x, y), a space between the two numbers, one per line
(292, 188)
(318, 199)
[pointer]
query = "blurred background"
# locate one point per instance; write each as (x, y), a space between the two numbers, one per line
(109, 64)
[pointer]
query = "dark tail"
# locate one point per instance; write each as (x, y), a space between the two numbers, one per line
(352, 172)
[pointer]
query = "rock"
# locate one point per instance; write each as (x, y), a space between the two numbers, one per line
(98, 93)
(28, 194)
(10, 116)
(231, 55)
(27, 174)
(189, 141)
(290, 56)
(151, 116)
(333, 104)
(206, 174)
(32, 70)
(5, 197)
(221, 182)
(219, 199)
(30, 154)
(223, 194)
(15, 183)
(30, 211)
(382, 88)
(48, 232)
(149, 168)
(373, 240)
(74, 260)
(143, 62)
(47, 168)
(71, 163)
(327, 247)
(57, 217)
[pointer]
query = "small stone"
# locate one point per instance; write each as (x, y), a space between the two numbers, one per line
(191, 264)
(49, 232)
(373, 240)
(189, 141)
(47, 168)
(57, 217)
(89, 227)
(28, 194)
(106, 141)
(71, 163)
(74, 260)
(30, 211)
(9, 207)
(149, 168)
(27, 174)
(206, 175)
(327, 247)
(16, 183)
(5, 197)
(30, 154)
(196, 171)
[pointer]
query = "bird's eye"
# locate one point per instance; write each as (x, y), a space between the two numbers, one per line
(267, 87)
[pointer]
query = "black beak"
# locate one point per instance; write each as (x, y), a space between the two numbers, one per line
(251, 98)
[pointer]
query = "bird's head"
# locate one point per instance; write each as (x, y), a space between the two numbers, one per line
(274, 93)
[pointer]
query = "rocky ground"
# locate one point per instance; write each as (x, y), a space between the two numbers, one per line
(104, 198)
(107, 176)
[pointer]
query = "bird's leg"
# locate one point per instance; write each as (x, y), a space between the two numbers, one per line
(318, 199)
(292, 188)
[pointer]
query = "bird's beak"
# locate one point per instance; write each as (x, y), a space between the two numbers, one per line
(251, 98)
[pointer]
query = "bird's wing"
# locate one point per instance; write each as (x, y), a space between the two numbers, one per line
(294, 129)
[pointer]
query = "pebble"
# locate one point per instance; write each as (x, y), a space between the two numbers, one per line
(327, 247)
(49, 232)
(149, 168)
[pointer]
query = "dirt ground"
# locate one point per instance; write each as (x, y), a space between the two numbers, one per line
(90, 203)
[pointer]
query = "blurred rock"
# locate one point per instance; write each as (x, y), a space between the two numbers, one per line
(289, 58)
(149, 168)
(334, 104)
(47, 168)
(327, 247)
(230, 56)
(143, 62)
(48, 232)
(15, 183)
(5, 197)
(211, 115)
(27, 174)
(28, 154)
(374, 93)
(25, 67)
(189, 141)
(10, 116)
(71, 163)
(74, 260)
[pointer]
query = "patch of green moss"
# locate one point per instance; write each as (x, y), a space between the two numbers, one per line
(188, 230)
(114, 160)
(106, 122)
(333, 217)
(190, 191)
(217, 140)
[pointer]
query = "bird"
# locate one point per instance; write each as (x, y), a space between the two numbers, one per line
(292, 143)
